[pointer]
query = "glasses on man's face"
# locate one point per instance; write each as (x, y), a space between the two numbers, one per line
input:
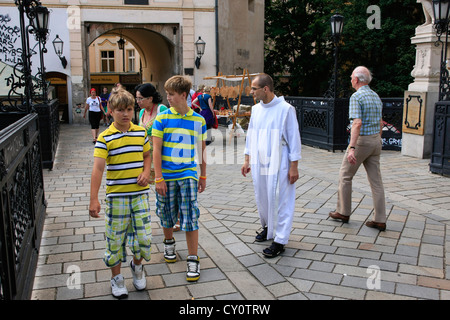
(254, 89)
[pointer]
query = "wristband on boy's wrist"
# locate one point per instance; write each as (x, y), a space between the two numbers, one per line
(159, 180)
(203, 177)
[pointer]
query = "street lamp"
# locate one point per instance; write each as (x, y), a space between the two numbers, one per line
(441, 11)
(200, 49)
(38, 16)
(37, 24)
(121, 44)
(440, 151)
(40, 21)
(337, 25)
(58, 45)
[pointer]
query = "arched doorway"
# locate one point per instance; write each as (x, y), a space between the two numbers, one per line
(158, 47)
(59, 82)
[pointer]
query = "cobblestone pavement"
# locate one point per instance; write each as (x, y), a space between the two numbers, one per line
(324, 259)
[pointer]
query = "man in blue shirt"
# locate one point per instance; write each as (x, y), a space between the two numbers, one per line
(365, 114)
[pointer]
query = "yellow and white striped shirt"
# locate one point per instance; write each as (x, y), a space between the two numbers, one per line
(124, 154)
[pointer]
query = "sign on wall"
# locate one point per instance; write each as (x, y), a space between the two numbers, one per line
(414, 112)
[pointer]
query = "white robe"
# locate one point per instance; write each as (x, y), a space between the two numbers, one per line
(273, 141)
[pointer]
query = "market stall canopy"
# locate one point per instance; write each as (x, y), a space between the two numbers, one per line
(232, 77)
(233, 92)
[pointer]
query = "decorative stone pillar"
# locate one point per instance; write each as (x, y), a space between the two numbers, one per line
(423, 93)
(77, 65)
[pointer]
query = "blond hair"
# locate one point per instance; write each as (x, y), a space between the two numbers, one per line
(178, 84)
(120, 98)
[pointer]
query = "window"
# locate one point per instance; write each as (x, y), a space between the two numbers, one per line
(107, 58)
(251, 5)
(131, 60)
(144, 2)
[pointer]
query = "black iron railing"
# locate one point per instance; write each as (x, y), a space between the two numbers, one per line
(48, 126)
(323, 122)
(440, 156)
(48, 131)
(22, 204)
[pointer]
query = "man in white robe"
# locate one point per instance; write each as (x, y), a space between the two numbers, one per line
(272, 151)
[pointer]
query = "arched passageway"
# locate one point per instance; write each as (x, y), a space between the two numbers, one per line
(158, 47)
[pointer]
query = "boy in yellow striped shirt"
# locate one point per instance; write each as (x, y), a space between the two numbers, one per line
(125, 151)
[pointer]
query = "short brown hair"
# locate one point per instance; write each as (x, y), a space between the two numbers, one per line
(264, 80)
(178, 84)
(120, 98)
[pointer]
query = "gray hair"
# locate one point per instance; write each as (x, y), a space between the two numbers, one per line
(363, 74)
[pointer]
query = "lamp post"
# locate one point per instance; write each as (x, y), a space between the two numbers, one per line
(200, 50)
(440, 154)
(121, 44)
(441, 11)
(39, 16)
(58, 46)
(337, 25)
(37, 24)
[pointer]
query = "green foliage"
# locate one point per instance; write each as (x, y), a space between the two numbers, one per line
(299, 51)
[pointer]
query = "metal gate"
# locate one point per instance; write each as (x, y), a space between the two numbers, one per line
(22, 204)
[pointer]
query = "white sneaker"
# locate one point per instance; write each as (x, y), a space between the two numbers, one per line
(193, 268)
(139, 281)
(118, 288)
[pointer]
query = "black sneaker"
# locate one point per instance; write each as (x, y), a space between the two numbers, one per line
(170, 256)
(262, 236)
(274, 250)
(193, 268)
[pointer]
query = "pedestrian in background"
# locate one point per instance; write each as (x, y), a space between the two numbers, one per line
(365, 114)
(104, 96)
(94, 105)
(204, 103)
(149, 100)
(197, 93)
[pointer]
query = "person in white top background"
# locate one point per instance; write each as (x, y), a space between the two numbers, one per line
(94, 105)
(272, 152)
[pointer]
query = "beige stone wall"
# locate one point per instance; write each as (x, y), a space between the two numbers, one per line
(174, 26)
(241, 36)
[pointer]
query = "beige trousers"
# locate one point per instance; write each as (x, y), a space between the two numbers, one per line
(367, 152)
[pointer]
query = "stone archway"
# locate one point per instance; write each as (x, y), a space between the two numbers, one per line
(159, 46)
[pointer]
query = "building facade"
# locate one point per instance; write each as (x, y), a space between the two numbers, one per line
(161, 35)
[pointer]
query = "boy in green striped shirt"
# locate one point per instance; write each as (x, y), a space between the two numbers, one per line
(179, 136)
(125, 151)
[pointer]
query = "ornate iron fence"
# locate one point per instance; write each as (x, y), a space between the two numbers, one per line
(48, 131)
(440, 156)
(48, 125)
(323, 122)
(22, 203)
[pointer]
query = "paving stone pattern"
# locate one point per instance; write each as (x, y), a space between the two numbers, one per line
(324, 259)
